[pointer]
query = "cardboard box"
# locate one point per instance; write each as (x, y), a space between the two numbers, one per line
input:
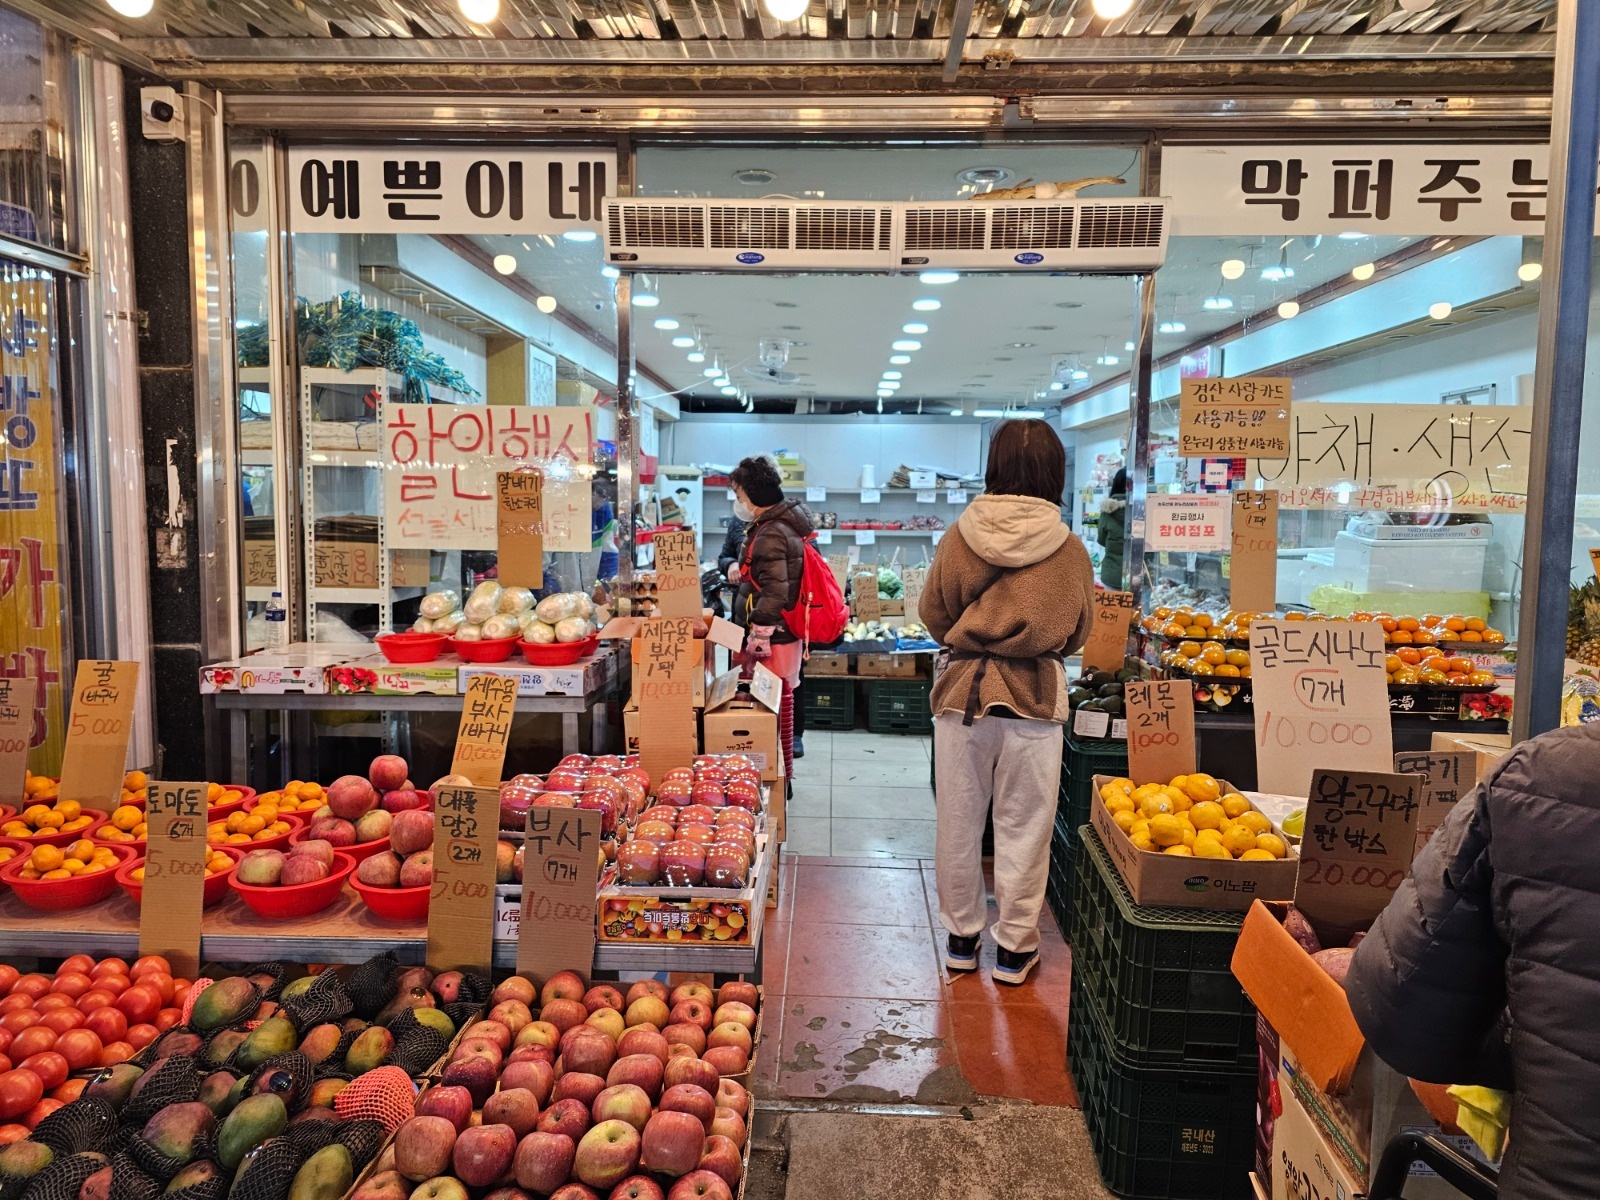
(886, 666)
(1166, 880)
(892, 608)
(827, 665)
(1489, 747)
(578, 679)
(744, 727)
(377, 676)
(697, 916)
(299, 668)
(260, 563)
(791, 476)
(923, 481)
(1302, 1164)
(410, 568)
(342, 564)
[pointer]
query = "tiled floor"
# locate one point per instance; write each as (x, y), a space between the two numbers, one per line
(860, 1006)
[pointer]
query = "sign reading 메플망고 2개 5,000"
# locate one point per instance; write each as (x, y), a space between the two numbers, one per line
(442, 463)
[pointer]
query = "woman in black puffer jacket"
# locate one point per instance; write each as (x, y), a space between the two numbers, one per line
(1498, 927)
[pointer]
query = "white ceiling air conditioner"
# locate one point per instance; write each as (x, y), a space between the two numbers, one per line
(1092, 236)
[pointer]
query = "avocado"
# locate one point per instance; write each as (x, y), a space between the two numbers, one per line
(1128, 674)
(1112, 705)
(1111, 689)
(1079, 695)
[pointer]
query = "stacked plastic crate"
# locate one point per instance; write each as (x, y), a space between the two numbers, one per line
(1080, 763)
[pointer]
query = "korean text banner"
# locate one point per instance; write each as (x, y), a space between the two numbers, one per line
(447, 189)
(441, 463)
(1403, 458)
(1406, 190)
(30, 460)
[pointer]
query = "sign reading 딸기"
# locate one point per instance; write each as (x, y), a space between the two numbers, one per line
(446, 189)
(1389, 189)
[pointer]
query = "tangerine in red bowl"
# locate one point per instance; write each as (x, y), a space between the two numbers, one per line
(299, 900)
(412, 647)
(60, 895)
(277, 841)
(67, 837)
(16, 847)
(213, 891)
(359, 852)
(218, 811)
(395, 904)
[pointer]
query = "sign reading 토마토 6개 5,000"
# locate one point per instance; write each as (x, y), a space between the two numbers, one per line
(1233, 418)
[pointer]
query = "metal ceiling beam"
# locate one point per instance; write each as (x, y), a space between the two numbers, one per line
(1218, 113)
(105, 44)
(960, 26)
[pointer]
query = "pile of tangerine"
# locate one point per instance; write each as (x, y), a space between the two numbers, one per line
(83, 857)
(1430, 629)
(241, 828)
(1208, 658)
(40, 788)
(127, 824)
(295, 796)
(41, 820)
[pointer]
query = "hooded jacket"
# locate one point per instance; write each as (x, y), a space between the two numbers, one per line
(1496, 926)
(1112, 534)
(1010, 591)
(772, 566)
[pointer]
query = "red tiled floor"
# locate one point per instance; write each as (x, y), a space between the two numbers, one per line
(1014, 1050)
(859, 895)
(865, 1049)
(775, 956)
(887, 864)
(889, 962)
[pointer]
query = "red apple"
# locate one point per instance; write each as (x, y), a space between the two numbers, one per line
(533, 1052)
(721, 1157)
(687, 1033)
(672, 1143)
(578, 1085)
(700, 835)
(569, 1118)
(573, 1191)
(694, 989)
(454, 1104)
(543, 1161)
(692, 1099)
(646, 987)
(483, 1154)
(563, 985)
(607, 1154)
(730, 1125)
(513, 1014)
(388, 772)
(475, 1073)
(734, 1011)
(538, 1078)
(495, 1031)
(731, 1094)
(622, 1102)
(636, 1187)
(479, 1047)
(639, 1040)
(727, 864)
(740, 992)
(697, 814)
(730, 1033)
(564, 1013)
(700, 1185)
(603, 995)
(517, 1108)
(647, 1008)
(683, 863)
(422, 1147)
(515, 988)
(587, 1050)
(697, 1071)
(539, 1033)
(728, 1060)
(691, 1012)
(645, 1071)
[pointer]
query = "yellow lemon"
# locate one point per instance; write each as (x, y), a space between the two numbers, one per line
(1121, 804)
(1180, 802)
(1123, 820)
(1108, 793)
(1166, 830)
(1188, 835)
(1144, 789)
(1207, 835)
(1256, 856)
(1234, 804)
(1295, 823)
(1207, 815)
(1272, 844)
(1153, 806)
(1141, 841)
(1238, 839)
(1211, 848)
(1122, 784)
(1178, 781)
(1201, 786)
(1179, 851)
(1254, 821)
(1141, 825)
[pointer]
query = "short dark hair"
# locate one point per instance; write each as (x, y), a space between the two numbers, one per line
(1026, 458)
(757, 476)
(1119, 482)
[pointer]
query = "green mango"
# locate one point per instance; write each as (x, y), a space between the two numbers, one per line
(225, 1002)
(274, 1036)
(254, 1120)
(326, 1175)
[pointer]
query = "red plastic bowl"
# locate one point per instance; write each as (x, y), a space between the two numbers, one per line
(412, 647)
(301, 900)
(492, 650)
(559, 654)
(359, 852)
(395, 904)
(21, 847)
(58, 895)
(218, 812)
(66, 839)
(214, 889)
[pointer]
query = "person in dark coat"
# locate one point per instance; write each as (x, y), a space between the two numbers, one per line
(732, 549)
(1111, 530)
(1485, 967)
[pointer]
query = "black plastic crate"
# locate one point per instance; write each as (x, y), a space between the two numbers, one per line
(1080, 763)
(898, 705)
(1161, 977)
(1160, 1134)
(1063, 870)
(830, 702)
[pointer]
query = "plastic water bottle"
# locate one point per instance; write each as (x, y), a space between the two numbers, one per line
(277, 623)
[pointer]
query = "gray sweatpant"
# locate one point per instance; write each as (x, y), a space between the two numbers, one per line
(1016, 764)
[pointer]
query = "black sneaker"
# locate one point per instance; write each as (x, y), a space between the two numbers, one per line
(799, 748)
(1012, 967)
(961, 953)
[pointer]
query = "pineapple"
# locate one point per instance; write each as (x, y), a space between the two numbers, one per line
(1583, 624)
(1575, 599)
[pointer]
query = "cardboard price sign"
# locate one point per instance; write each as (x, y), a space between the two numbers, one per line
(1253, 566)
(560, 867)
(1107, 646)
(16, 731)
(1234, 418)
(666, 657)
(840, 566)
(1594, 557)
(486, 713)
(174, 874)
(1446, 777)
(677, 574)
(914, 579)
(466, 826)
(98, 732)
(1321, 696)
(519, 528)
(1361, 833)
(1160, 729)
(864, 596)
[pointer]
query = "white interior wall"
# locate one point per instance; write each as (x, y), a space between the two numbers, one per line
(833, 451)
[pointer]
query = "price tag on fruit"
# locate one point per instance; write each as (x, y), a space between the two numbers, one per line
(560, 866)
(864, 596)
(1446, 777)
(1107, 646)
(1360, 836)
(174, 874)
(16, 732)
(1160, 728)
(956, 496)
(914, 579)
(871, 496)
(519, 528)
(486, 713)
(666, 657)
(466, 828)
(97, 732)
(1253, 563)
(677, 574)
(1321, 698)
(927, 497)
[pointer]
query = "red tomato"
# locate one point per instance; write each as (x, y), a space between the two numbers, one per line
(19, 1091)
(115, 1052)
(5, 1063)
(72, 984)
(90, 1001)
(108, 1024)
(40, 1111)
(71, 1089)
(115, 984)
(140, 1003)
(12, 1133)
(151, 963)
(50, 1067)
(52, 1002)
(32, 985)
(8, 977)
(19, 1019)
(81, 964)
(62, 1019)
(13, 1003)
(140, 1036)
(5, 1040)
(108, 966)
(80, 1047)
(32, 1040)
(167, 1018)
(161, 984)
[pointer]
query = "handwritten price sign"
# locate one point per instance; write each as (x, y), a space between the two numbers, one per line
(1446, 777)
(466, 827)
(1160, 729)
(1253, 574)
(174, 874)
(1108, 639)
(16, 730)
(560, 865)
(486, 713)
(666, 657)
(678, 574)
(98, 732)
(520, 528)
(1360, 835)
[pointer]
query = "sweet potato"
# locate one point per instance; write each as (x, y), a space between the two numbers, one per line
(1297, 927)
(1335, 962)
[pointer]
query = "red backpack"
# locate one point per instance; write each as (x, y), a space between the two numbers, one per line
(819, 614)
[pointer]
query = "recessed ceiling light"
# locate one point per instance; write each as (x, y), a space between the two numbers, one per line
(786, 10)
(683, 342)
(893, 375)
(891, 384)
(1173, 327)
(935, 278)
(1233, 268)
(956, 412)
(646, 300)
(545, 304)
(1216, 304)
(506, 264)
(1364, 272)
(1020, 345)
(1079, 375)
(927, 305)
(711, 372)
(697, 357)
(667, 323)
(730, 391)
(1529, 271)
(914, 327)
(900, 360)
(580, 235)
(906, 345)
(1110, 10)
(609, 273)
(722, 381)
(1440, 310)
(755, 175)
(1289, 310)
(984, 177)
(132, 8)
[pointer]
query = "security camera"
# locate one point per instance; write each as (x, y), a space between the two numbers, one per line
(161, 114)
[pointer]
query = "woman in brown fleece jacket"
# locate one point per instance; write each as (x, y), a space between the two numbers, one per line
(1010, 592)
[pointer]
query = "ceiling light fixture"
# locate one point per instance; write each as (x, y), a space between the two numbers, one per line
(1440, 310)
(1128, 346)
(1216, 304)
(646, 300)
(983, 177)
(1058, 386)
(506, 264)
(956, 412)
(1110, 10)
(712, 372)
(1233, 268)
(882, 392)
(1351, 236)
(580, 235)
(730, 391)
(479, 12)
(914, 327)
(987, 412)
(1020, 345)
(786, 10)
(1364, 272)
(1172, 327)
(610, 273)
(1529, 271)
(683, 341)
(1289, 310)
(722, 381)
(900, 360)
(927, 305)
(935, 278)
(132, 8)
(906, 345)
(893, 375)
(1079, 375)
(545, 304)
(1279, 271)
(697, 357)
(667, 323)
(754, 176)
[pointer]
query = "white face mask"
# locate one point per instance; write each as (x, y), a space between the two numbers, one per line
(743, 511)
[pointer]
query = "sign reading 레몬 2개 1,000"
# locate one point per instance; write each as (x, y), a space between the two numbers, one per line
(447, 189)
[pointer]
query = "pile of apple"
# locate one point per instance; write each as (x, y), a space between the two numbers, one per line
(90, 1014)
(306, 863)
(600, 1096)
(690, 846)
(408, 862)
(360, 809)
(611, 785)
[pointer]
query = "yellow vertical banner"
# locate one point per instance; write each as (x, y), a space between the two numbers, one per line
(31, 594)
